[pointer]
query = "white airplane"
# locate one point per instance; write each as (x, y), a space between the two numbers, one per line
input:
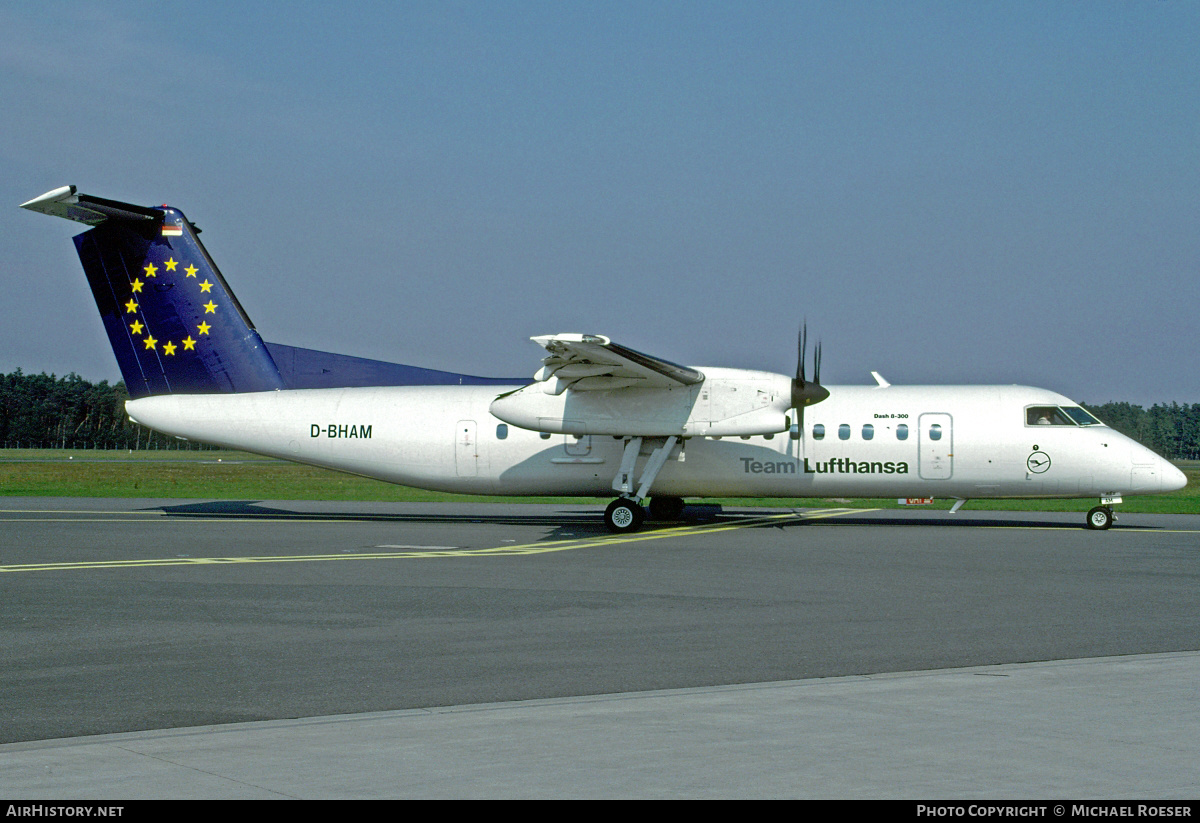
(597, 418)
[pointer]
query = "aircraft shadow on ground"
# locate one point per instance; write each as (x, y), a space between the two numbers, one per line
(562, 521)
(241, 509)
(592, 518)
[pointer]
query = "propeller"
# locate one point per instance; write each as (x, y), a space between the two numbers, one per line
(806, 392)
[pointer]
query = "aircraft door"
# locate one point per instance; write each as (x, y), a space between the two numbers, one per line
(466, 448)
(935, 457)
(578, 445)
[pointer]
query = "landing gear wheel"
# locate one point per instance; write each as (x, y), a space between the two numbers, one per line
(666, 508)
(624, 516)
(1100, 517)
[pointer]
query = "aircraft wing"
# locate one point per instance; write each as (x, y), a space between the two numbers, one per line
(592, 362)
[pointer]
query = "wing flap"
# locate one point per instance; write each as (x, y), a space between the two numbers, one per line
(592, 362)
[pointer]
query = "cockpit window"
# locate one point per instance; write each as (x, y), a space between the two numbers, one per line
(1046, 416)
(1082, 416)
(1059, 416)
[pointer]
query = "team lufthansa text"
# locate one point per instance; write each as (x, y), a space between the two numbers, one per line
(838, 465)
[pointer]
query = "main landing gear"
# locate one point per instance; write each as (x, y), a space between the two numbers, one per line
(665, 508)
(1101, 517)
(625, 514)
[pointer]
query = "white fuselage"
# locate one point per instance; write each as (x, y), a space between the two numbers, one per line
(445, 438)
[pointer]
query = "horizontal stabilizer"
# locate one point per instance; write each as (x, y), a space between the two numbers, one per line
(67, 203)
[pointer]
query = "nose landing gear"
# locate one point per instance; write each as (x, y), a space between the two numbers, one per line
(1100, 518)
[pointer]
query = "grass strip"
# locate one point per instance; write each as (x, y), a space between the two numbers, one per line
(226, 475)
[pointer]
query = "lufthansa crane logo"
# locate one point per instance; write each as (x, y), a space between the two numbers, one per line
(1037, 462)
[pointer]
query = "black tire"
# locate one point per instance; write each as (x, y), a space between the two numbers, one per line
(623, 516)
(1100, 518)
(666, 508)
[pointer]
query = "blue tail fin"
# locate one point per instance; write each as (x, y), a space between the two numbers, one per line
(174, 324)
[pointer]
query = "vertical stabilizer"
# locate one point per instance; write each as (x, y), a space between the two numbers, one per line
(174, 325)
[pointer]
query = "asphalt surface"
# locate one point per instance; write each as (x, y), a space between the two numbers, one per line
(123, 616)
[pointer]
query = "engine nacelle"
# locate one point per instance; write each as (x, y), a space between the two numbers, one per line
(730, 402)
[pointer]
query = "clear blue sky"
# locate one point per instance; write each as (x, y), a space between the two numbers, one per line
(984, 192)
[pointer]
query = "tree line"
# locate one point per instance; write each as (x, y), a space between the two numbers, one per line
(46, 412)
(41, 411)
(1172, 430)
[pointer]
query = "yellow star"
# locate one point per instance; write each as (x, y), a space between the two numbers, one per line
(131, 306)
(191, 271)
(169, 348)
(171, 264)
(210, 307)
(136, 285)
(136, 326)
(188, 343)
(151, 270)
(206, 286)
(203, 328)
(150, 342)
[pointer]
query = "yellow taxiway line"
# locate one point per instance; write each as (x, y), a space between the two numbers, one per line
(543, 547)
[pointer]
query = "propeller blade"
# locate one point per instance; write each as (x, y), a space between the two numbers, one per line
(802, 351)
(804, 392)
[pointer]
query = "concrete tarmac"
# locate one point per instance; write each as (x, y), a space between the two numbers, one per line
(1114, 728)
(753, 654)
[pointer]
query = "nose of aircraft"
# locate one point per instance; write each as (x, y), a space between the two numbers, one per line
(1152, 474)
(1172, 478)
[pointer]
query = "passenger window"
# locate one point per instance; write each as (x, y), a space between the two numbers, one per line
(868, 431)
(501, 431)
(819, 431)
(902, 431)
(935, 431)
(844, 431)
